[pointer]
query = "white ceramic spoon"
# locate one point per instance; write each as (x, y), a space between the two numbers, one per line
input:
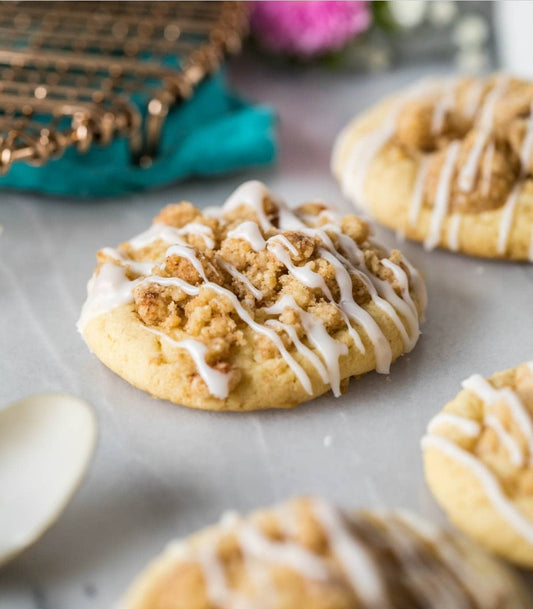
(46, 443)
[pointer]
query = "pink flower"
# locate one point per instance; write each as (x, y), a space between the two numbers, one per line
(307, 29)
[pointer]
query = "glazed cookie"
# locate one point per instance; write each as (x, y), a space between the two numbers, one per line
(250, 305)
(478, 456)
(308, 554)
(449, 163)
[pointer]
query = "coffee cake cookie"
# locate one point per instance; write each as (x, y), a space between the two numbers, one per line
(307, 554)
(447, 162)
(251, 305)
(478, 457)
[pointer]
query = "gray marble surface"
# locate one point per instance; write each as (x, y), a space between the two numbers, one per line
(162, 471)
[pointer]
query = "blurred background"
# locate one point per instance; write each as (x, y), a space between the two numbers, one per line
(102, 99)
(378, 36)
(111, 110)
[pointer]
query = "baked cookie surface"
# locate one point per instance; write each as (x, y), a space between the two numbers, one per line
(478, 455)
(308, 554)
(447, 162)
(250, 305)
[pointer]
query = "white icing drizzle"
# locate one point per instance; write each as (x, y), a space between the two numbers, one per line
(106, 290)
(245, 317)
(169, 234)
(465, 425)
(453, 557)
(506, 440)
(143, 268)
(357, 314)
(405, 304)
(257, 549)
(380, 297)
(356, 562)
(488, 394)
(158, 231)
(469, 170)
(111, 288)
(326, 214)
(258, 295)
(216, 585)
(475, 90)
(444, 104)
(249, 231)
(330, 349)
(454, 227)
(343, 269)
(481, 387)
(380, 292)
(418, 284)
(418, 191)
(217, 382)
(432, 566)
(510, 205)
(212, 211)
(347, 306)
(288, 520)
(355, 170)
(365, 150)
(354, 254)
(251, 194)
(196, 228)
(287, 553)
(285, 242)
(431, 586)
(430, 579)
(288, 220)
(304, 274)
(300, 347)
(507, 510)
(423, 528)
(217, 589)
(330, 215)
(189, 253)
(530, 366)
(484, 590)
(486, 170)
(442, 196)
(256, 570)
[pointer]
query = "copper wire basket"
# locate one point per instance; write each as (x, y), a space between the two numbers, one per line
(76, 73)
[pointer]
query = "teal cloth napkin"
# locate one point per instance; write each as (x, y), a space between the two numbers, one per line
(212, 133)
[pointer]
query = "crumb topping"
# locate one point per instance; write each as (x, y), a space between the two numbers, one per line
(491, 118)
(497, 429)
(487, 431)
(308, 553)
(213, 276)
(516, 477)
